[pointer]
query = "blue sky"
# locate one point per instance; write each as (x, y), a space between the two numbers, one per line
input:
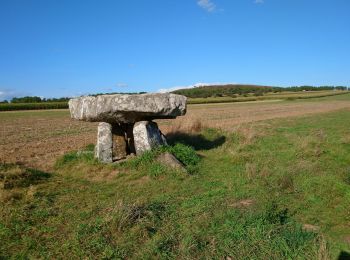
(55, 48)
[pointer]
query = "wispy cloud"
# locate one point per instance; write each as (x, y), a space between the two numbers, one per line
(165, 90)
(8, 94)
(115, 88)
(206, 5)
(121, 85)
(259, 1)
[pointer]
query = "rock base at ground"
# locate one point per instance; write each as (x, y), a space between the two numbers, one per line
(115, 142)
(170, 160)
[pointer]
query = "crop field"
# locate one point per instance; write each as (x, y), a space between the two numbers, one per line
(267, 96)
(31, 106)
(268, 179)
(287, 95)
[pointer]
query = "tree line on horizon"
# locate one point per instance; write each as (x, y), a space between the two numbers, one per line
(235, 90)
(197, 92)
(36, 99)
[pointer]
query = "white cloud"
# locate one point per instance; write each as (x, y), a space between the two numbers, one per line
(8, 94)
(259, 1)
(122, 85)
(165, 90)
(206, 5)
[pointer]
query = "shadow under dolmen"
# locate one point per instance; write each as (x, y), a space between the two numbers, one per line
(197, 141)
(343, 256)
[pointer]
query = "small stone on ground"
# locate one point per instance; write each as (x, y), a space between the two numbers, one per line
(170, 160)
(311, 228)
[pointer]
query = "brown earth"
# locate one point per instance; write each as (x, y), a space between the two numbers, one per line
(37, 138)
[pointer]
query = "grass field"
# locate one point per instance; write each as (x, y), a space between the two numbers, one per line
(265, 180)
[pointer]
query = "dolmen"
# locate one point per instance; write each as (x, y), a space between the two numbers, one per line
(126, 121)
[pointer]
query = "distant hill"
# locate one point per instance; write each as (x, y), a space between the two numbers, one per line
(241, 89)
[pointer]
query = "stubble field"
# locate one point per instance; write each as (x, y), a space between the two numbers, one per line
(37, 138)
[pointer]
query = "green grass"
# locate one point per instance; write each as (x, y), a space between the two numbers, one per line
(249, 197)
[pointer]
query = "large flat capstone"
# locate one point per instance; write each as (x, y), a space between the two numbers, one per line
(124, 108)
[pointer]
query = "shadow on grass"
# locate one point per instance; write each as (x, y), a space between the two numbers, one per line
(344, 256)
(18, 176)
(197, 141)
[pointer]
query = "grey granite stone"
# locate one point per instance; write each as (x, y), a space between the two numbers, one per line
(124, 108)
(146, 136)
(104, 146)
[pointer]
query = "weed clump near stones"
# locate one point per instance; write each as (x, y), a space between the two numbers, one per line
(148, 160)
(71, 158)
(153, 163)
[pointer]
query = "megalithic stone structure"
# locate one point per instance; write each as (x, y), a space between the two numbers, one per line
(126, 125)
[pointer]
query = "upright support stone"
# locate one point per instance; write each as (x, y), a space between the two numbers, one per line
(104, 146)
(146, 136)
(130, 138)
(163, 138)
(119, 142)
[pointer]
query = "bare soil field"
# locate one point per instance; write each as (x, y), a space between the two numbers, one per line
(37, 138)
